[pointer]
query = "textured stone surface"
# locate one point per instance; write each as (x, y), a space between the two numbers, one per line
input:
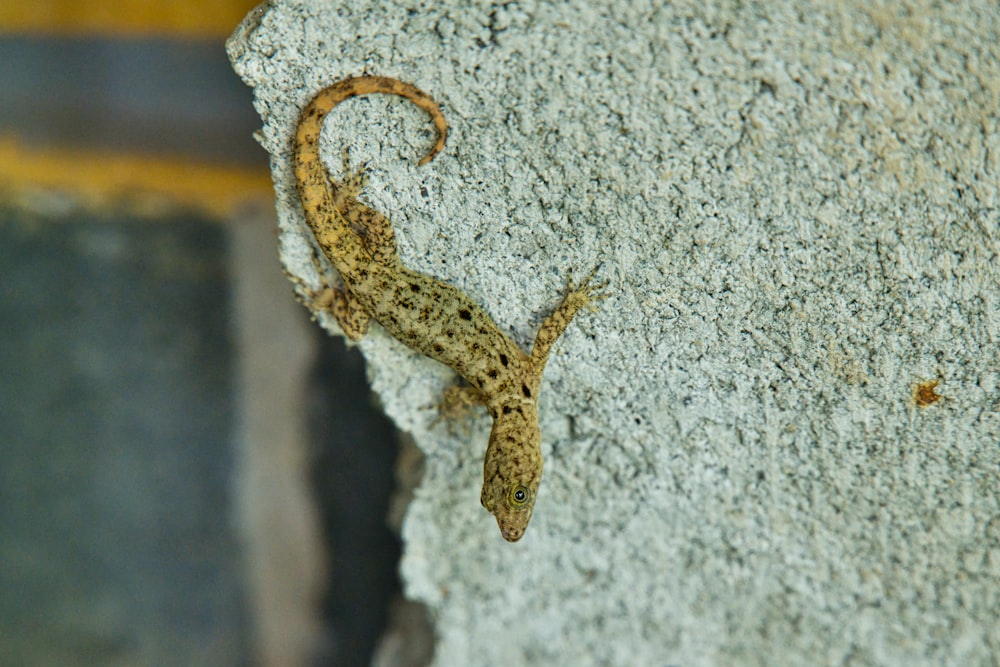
(796, 206)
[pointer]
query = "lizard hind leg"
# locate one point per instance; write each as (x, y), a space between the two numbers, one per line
(373, 228)
(355, 180)
(352, 318)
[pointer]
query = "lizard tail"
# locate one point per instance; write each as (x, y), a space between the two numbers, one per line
(311, 122)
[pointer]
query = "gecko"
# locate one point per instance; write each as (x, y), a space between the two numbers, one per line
(427, 314)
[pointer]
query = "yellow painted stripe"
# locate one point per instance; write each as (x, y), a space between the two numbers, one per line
(193, 18)
(134, 182)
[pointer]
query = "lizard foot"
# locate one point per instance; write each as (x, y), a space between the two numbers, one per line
(353, 319)
(587, 293)
(456, 406)
(355, 180)
(457, 400)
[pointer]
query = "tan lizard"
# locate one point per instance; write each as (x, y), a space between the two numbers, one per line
(430, 316)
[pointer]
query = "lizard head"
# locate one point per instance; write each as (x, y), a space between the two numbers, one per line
(513, 467)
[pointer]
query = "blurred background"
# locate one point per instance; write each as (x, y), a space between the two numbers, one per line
(191, 472)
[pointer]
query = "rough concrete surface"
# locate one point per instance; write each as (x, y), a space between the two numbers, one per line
(795, 204)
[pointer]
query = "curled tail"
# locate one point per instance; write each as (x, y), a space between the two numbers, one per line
(318, 193)
(311, 121)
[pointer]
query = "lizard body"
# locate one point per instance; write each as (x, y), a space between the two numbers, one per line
(429, 315)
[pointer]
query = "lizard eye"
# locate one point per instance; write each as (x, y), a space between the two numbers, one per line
(519, 495)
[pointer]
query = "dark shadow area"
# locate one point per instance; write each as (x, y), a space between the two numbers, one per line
(353, 478)
(117, 543)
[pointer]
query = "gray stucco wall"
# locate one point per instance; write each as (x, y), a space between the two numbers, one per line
(795, 204)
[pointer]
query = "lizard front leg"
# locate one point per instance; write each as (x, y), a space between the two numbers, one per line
(457, 399)
(554, 325)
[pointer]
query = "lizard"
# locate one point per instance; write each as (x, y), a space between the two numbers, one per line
(427, 314)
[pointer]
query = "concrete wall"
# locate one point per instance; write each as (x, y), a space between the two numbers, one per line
(795, 204)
